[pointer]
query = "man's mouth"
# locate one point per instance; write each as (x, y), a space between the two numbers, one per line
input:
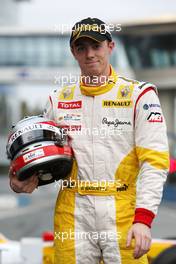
(91, 62)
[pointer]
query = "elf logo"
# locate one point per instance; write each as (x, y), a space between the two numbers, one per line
(38, 153)
(70, 105)
(155, 117)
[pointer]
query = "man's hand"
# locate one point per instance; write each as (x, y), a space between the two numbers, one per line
(142, 235)
(27, 186)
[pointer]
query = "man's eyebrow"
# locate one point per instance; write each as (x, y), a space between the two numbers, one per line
(79, 43)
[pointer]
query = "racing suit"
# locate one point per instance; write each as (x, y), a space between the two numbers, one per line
(119, 140)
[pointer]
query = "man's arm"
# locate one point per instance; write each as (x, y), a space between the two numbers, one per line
(152, 151)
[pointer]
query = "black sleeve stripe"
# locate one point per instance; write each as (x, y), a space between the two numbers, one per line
(142, 85)
(128, 80)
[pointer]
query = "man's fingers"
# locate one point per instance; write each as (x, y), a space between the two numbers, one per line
(146, 243)
(26, 186)
(14, 188)
(33, 178)
(129, 238)
(142, 236)
(143, 247)
(28, 189)
(149, 242)
(137, 249)
(12, 173)
(31, 184)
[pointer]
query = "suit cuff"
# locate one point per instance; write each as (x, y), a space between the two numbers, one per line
(143, 216)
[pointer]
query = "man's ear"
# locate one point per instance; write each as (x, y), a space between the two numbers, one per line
(111, 46)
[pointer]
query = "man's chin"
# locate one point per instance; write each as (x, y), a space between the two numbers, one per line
(94, 71)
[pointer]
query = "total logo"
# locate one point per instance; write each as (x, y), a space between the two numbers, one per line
(155, 117)
(70, 105)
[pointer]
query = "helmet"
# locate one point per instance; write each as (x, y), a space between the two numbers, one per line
(36, 145)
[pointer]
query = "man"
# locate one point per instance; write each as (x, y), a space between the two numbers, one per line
(119, 140)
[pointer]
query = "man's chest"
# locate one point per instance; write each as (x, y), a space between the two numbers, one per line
(101, 113)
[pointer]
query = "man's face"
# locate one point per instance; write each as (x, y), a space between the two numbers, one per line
(92, 56)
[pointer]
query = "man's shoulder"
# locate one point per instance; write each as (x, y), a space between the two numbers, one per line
(127, 81)
(138, 86)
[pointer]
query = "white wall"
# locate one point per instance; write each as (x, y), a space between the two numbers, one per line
(8, 13)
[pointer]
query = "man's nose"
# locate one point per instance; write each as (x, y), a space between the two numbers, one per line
(89, 52)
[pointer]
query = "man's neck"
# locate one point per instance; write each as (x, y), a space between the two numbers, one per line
(96, 80)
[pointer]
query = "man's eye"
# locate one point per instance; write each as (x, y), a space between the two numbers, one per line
(97, 46)
(80, 48)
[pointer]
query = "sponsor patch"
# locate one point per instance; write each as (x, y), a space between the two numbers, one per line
(29, 128)
(155, 117)
(72, 128)
(147, 106)
(125, 91)
(72, 117)
(33, 155)
(122, 188)
(116, 103)
(69, 117)
(93, 188)
(116, 123)
(70, 105)
(67, 93)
